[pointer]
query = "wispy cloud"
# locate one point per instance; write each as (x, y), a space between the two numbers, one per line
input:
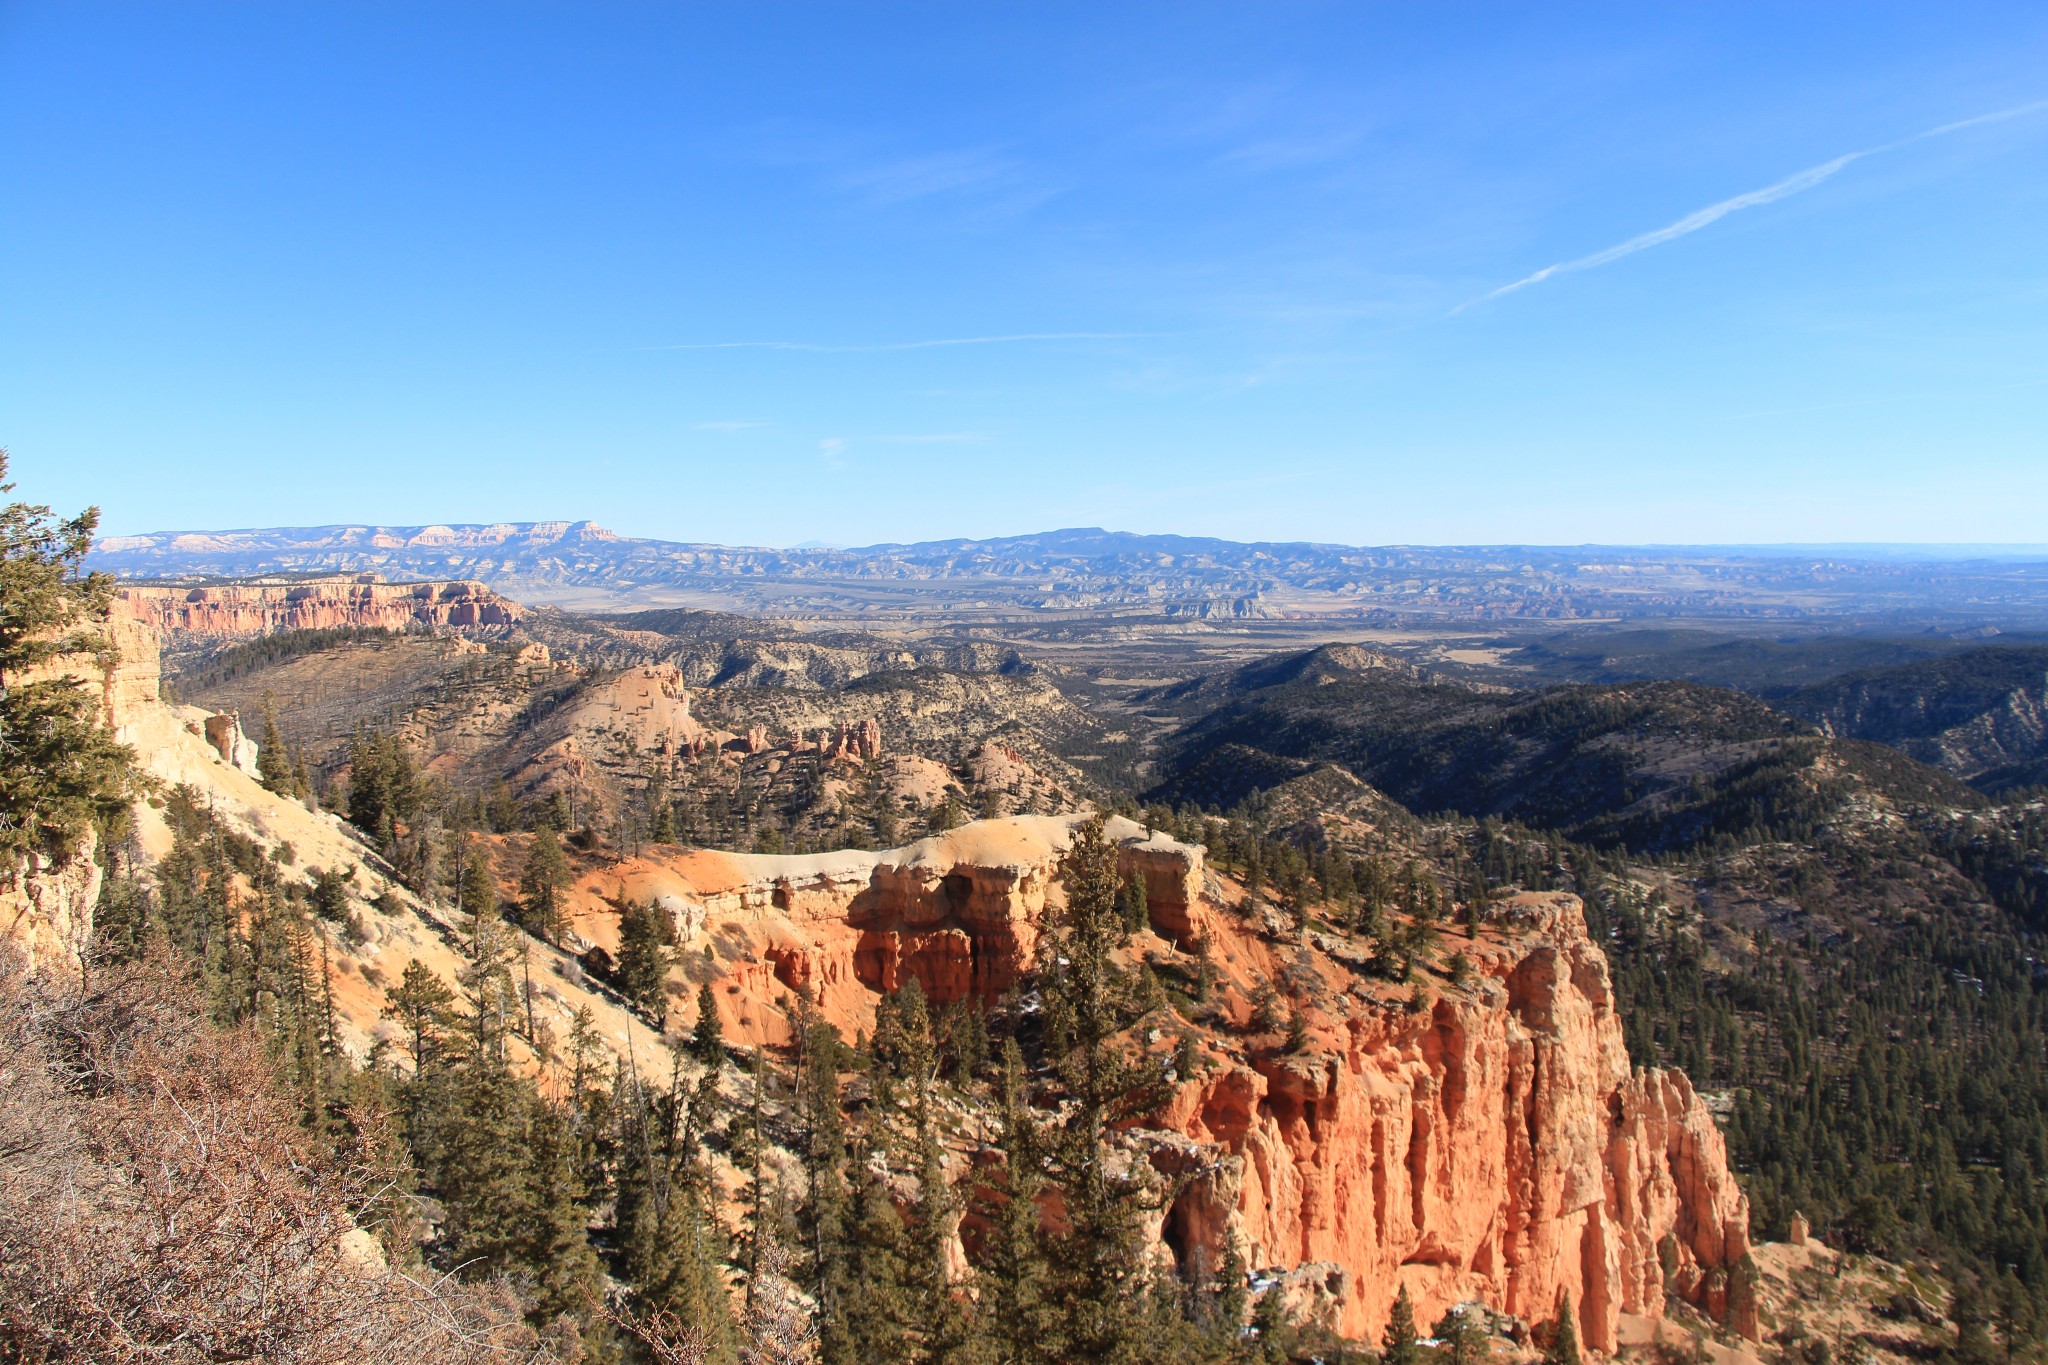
(1770, 194)
(902, 179)
(973, 188)
(1006, 339)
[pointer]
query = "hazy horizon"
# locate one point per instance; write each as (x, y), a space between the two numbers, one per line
(1931, 550)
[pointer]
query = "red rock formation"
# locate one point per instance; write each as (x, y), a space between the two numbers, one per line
(856, 742)
(237, 610)
(1493, 1146)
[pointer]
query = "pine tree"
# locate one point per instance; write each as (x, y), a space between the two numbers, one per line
(553, 1243)
(60, 768)
(881, 1321)
(1269, 1322)
(1398, 1345)
(1463, 1339)
(476, 889)
(480, 1138)
(542, 880)
(1098, 1281)
(420, 1004)
(707, 1042)
(274, 764)
(1013, 1273)
(1564, 1338)
(827, 1207)
(644, 938)
(677, 1274)
(1131, 904)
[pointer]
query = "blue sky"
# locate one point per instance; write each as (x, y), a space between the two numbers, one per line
(770, 274)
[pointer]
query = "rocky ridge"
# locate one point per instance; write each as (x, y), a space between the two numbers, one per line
(229, 611)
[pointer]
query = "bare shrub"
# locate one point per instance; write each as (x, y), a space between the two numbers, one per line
(159, 1199)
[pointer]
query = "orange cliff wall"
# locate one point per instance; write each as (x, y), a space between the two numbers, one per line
(235, 610)
(1494, 1145)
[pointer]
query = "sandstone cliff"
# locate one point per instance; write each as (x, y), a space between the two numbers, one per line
(1483, 1141)
(239, 610)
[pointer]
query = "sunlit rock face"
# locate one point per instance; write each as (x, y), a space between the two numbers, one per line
(240, 610)
(1490, 1142)
(1494, 1145)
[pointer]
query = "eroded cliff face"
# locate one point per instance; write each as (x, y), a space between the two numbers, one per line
(1485, 1140)
(245, 610)
(1493, 1145)
(960, 912)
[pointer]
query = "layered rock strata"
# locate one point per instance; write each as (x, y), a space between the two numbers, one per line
(245, 610)
(1493, 1145)
(1486, 1141)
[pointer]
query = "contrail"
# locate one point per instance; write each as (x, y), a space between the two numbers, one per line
(1769, 194)
(899, 345)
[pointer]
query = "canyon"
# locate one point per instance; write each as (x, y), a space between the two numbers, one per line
(1475, 1135)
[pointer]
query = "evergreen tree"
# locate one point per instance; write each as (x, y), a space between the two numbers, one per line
(1013, 1274)
(383, 786)
(553, 1241)
(1462, 1339)
(1269, 1324)
(677, 1276)
(827, 1207)
(60, 768)
(1097, 1281)
(476, 889)
(644, 938)
(419, 1004)
(274, 766)
(1131, 904)
(1399, 1345)
(707, 1041)
(1563, 1348)
(543, 879)
(881, 1321)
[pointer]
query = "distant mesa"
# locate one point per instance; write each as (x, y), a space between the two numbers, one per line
(1090, 570)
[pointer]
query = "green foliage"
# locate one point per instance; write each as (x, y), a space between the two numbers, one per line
(707, 1042)
(1399, 1344)
(645, 940)
(1563, 1346)
(1097, 1283)
(61, 771)
(1928, 1138)
(1460, 1338)
(274, 763)
(384, 786)
(543, 880)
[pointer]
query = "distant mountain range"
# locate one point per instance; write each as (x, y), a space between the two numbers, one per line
(1090, 572)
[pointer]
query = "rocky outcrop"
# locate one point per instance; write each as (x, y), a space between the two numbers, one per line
(46, 908)
(1485, 1141)
(1493, 1146)
(244, 610)
(960, 912)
